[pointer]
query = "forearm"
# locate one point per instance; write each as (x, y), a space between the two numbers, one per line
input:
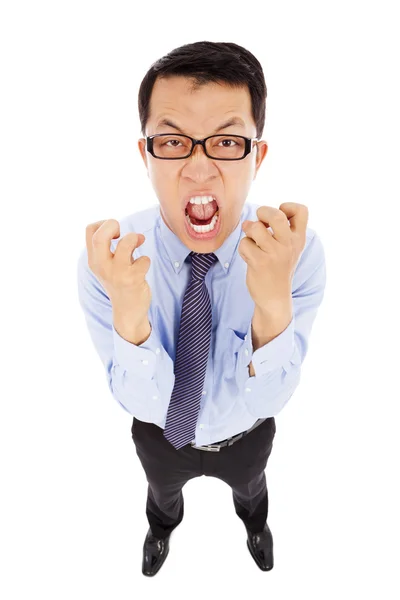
(141, 375)
(266, 326)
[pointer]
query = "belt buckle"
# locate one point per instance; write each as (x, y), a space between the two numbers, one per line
(213, 447)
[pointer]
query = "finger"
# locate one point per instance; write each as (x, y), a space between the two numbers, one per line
(141, 266)
(98, 240)
(277, 219)
(297, 215)
(126, 246)
(249, 251)
(90, 230)
(259, 235)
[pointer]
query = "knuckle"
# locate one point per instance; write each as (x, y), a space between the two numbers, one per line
(95, 225)
(96, 239)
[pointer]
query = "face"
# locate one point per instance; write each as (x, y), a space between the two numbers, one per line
(200, 113)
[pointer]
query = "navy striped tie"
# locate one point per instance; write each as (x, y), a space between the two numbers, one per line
(191, 355)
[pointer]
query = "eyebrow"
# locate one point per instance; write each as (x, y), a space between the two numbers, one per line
(231, 121)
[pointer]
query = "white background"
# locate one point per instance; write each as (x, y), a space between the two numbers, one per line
(73, 491)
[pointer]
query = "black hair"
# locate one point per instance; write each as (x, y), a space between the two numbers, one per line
(204, 62)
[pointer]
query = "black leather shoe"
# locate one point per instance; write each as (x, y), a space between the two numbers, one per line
(261, 548)
(155, 551)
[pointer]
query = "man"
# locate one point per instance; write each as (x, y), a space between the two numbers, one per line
(202, 310)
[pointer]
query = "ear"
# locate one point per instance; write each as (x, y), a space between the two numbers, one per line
(142, 150)
(262, 149)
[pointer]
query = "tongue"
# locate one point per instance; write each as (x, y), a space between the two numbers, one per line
(202, 212)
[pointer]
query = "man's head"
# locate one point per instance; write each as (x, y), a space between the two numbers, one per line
(199, 87)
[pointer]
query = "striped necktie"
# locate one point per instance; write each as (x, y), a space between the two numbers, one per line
(191, 355)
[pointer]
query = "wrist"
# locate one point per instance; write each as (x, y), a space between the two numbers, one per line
(267, 324)
(131, 330)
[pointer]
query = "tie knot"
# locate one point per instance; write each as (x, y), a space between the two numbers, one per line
(201, 263)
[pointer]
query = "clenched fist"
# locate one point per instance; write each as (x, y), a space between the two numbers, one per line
(122, 277)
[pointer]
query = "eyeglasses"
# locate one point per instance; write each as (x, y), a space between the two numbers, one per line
(169, 146)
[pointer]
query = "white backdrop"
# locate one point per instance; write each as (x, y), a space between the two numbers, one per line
(73, 494)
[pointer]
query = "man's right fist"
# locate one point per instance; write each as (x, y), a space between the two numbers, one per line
(122, 277)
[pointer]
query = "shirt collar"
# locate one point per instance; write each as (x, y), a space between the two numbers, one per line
(177, 252)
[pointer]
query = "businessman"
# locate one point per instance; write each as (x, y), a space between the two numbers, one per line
(201, 306)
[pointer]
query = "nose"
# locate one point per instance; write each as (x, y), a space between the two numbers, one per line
(199, 148)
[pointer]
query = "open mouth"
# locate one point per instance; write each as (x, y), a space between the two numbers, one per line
(199, 222)
(202, 214)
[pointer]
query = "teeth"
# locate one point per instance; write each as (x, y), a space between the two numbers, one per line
(201, 199)
(204, 228)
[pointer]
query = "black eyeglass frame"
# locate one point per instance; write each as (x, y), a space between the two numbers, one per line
(248, 145)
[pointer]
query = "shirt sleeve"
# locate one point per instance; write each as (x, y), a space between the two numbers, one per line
(140, 378)
(277, 364)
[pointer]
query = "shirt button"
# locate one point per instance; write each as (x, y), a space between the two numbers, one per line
(248, 389)
(201, 426)
(155, 398)
(158, 351)
(176, 263)
(226, 265)
(145, 362)
(246, 352)
(204, 392)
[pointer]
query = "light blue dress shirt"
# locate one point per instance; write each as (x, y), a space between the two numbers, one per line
(141, 378)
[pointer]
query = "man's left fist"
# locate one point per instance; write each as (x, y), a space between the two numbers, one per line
(272, 257)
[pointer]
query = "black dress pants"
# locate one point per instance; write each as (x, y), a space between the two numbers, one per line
(167, 470)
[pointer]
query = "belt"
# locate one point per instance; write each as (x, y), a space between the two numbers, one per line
(229, 441)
